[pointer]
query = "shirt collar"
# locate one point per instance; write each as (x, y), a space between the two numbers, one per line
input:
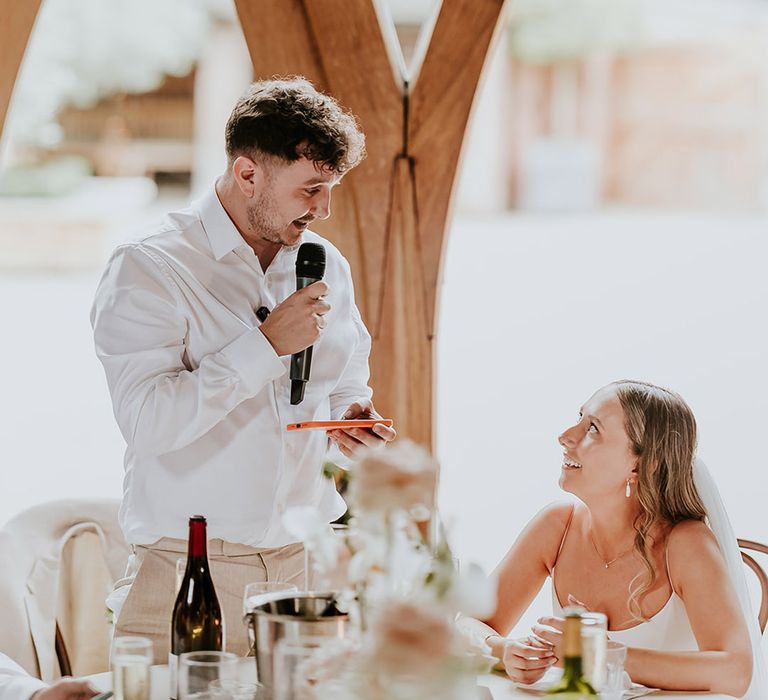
(223, 235)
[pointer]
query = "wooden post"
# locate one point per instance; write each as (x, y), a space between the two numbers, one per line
(16, 20)
(391, 214)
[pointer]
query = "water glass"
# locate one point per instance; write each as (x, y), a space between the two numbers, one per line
(131, 658)
(594, 627)
(225, 689)
(613, 684)
(294, 673)
(198, 669)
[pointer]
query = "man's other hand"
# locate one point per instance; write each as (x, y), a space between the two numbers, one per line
(352, 440)
(67, 689)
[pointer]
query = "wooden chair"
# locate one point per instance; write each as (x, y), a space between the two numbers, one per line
(59, 561)
(762, 616)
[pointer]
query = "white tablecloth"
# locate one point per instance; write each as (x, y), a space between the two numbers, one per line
(490, 687)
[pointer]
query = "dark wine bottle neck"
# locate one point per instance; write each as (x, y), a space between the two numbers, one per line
(198, 540)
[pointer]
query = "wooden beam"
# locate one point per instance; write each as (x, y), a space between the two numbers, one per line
(16, 22)
(440, 109)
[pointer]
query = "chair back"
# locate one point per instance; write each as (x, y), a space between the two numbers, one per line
(762, 578)
(60, 561)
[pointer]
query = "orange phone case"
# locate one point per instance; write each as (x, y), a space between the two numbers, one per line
(334, 424)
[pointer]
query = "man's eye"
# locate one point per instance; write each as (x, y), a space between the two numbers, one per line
(311, 193)
(593, 428)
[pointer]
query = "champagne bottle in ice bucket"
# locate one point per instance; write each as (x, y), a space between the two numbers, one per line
(197, 623)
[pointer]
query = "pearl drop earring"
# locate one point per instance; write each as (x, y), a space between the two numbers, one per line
(627, 491)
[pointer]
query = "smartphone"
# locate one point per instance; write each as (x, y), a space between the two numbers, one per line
(336, 424)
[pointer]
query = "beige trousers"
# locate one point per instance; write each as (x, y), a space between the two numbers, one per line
(152, 577)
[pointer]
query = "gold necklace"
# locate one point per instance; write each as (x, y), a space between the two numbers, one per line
(606, 564)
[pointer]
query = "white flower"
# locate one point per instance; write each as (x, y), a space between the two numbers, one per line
(473, 593)
(308, 525)
(401, 477)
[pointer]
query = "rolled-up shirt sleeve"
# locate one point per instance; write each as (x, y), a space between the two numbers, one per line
(160, 402)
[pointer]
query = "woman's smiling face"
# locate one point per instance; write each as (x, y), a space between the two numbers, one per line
(597, 453)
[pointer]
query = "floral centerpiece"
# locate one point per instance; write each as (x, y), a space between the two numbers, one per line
(396, 575)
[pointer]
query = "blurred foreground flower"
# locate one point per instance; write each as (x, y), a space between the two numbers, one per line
(402, 477)
(403, 591)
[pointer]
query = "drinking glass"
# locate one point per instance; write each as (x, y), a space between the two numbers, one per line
(131, 658)
(594, 627)
(225, 689)
(263, 591)
(181, 568)
(293, 673)
(613, 685)
(198, 669)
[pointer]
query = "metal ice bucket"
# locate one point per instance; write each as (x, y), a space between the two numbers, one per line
(292, 616)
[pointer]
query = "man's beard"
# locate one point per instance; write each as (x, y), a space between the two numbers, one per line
(263, 220)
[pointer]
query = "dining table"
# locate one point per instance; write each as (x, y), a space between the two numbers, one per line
(490, 686)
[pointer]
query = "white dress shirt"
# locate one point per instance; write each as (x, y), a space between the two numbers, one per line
(200, 395)
(15, 682)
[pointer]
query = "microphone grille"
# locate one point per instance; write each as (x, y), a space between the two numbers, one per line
(310, 261)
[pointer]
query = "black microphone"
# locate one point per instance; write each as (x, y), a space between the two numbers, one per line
(310, 267)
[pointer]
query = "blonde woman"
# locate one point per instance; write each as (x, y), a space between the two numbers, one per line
(640, 545)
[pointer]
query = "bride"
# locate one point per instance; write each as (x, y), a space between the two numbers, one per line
(648, 543)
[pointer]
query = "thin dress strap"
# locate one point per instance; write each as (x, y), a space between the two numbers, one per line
(666, 562)
(565, 534)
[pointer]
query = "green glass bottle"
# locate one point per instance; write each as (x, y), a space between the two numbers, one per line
(573, 685)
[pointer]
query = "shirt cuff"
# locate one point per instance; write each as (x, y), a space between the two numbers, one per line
(254, 359)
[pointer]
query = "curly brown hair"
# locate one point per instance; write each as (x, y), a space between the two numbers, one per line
(288, 119)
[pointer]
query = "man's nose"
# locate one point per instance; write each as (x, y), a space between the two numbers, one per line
(321, 205)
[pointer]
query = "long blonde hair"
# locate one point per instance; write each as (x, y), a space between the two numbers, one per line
(662, 434)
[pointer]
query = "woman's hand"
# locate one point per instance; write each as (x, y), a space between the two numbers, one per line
(527, 659)
(548, 631)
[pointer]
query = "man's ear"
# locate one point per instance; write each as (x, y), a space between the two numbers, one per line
(249, 176)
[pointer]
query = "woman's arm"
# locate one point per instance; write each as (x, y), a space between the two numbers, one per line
(723, 663)
(520, 575)
(527, 564)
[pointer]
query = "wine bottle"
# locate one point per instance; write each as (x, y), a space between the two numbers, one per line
(573, 685)
(197, 623)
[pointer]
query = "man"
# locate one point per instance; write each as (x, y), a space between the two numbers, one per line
(17, 684)
(200, 385)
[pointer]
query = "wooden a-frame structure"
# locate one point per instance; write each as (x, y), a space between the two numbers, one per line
(391, 214)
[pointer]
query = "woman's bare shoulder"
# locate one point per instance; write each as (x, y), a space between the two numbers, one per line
(692, 551)
(690, 534)
(548, 525)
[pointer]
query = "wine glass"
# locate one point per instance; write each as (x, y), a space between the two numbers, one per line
(263, 591)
